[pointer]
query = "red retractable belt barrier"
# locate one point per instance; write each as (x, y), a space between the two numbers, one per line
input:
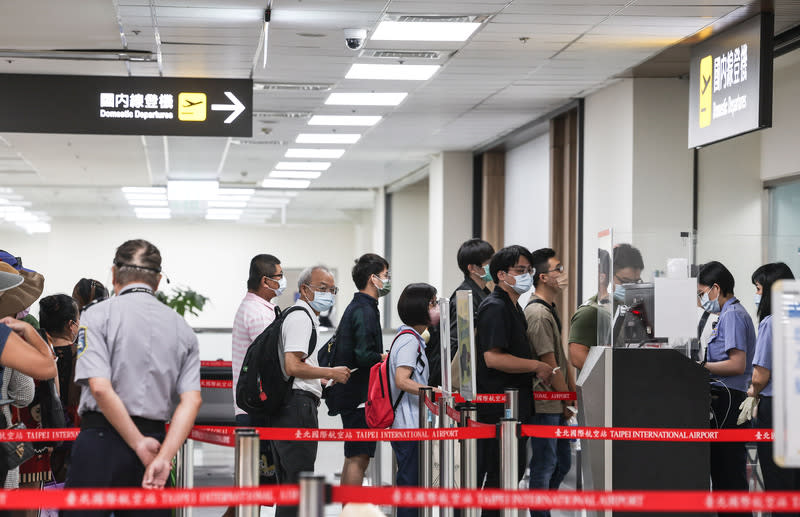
(649, 434)
(221, 364)
(500, 398)
(210, 383)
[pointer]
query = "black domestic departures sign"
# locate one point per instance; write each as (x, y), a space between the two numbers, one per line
(109, 105)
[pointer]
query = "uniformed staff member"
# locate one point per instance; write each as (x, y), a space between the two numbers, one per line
(138, 366)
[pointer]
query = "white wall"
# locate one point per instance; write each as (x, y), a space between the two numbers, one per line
(607, 170)
(212, 258)
(527, 194)
(779, 156)
(409, 260)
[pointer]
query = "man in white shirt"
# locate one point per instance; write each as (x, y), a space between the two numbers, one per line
(317, 290)
(255, 313)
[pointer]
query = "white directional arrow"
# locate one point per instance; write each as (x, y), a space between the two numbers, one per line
(236, 108)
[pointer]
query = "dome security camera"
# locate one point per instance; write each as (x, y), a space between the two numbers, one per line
(354, 38)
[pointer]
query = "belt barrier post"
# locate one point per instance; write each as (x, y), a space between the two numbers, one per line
(312, 495)
(425, 448)
(184, 473)
(246, 467)
(376, 464)
(469, 457)
(512, 403)
(447, 463)
(509, 453)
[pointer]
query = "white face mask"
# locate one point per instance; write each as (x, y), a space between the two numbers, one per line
(281, 286)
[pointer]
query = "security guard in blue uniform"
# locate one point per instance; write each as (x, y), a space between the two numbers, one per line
(138, 367)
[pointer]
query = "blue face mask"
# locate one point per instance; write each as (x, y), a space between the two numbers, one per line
(487, 277)
(757, 300)
(523, 283)
(708, 305)
(322, 301)
(619, 293)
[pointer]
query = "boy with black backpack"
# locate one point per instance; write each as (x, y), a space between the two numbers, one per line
(299, 364)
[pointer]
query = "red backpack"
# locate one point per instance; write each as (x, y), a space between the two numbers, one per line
(379, 408)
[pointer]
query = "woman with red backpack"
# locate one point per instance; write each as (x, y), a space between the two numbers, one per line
(408, 372)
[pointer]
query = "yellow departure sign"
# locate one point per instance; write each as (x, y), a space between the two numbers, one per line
(192, 107)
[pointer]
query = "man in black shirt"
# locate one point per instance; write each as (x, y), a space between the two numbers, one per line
(504, 355)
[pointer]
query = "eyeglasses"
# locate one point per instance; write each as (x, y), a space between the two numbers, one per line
(701, 293)
(276, 276)
(628, 280)
(521, 269)
(559, 268)
(433, 303)
(324, 289)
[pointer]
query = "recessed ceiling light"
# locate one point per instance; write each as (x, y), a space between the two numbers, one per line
(424, 31)
(392, 72)
(227, 204)
(282, 183)
(145, 196)
(314, 153)
(327, 138)
(148, 202)
(35, 227)
(192, 190)
(302, 166)
(344, 120)
(366, 99)
(296, 175)
(236, 191)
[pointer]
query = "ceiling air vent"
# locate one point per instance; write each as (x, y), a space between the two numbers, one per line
(295, 87)
(260, 142)
(441, 18)
(405, 54)
(281, 114)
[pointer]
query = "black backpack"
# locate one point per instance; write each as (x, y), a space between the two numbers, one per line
(261, 389)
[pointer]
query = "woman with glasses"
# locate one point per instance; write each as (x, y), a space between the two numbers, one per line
(729, 359)
(409, 371)
(775, 478)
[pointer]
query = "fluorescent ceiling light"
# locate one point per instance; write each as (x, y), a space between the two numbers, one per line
(283, 183)
(236, 191)
(303, 166)
(148, 202)
(314, 153)
(192, 190)
(366, 99)
(151, 197)
(269, 202)
(296, 175)
(327, 138)
(38, 227)
(144, 190)
(231, 198)
(344, 120)
(10, 209)
(227, 204)
(424, 31)
(392, 72)
(21, 217)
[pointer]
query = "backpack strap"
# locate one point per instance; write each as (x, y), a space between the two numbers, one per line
(549, 308)
(312, 343)
(388, 372)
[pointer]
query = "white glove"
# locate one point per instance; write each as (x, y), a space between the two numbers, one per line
(748, 408)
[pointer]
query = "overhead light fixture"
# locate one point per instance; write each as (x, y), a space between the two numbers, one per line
(144, 190)
(366, 99)
(267, 202)
(227, 204)
(22, 216)
(192, 190)
(143, 197)
(236, 191)
(284, 183)
(344, 120)
(327, 138)
(144, 56)
(302, 166)
(313, 153)
(424, 31)
(35, 227)
(296, 175)
(230, 198)
(153, 213)
(148, 202)
(392, 72)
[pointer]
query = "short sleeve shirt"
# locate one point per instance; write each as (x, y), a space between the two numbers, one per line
(295, 336)
(763, 354)
(147, 350)
(501, 324)
(733, 330)
(583, 326)
(545, 338)
(253, 316)
(408, 350)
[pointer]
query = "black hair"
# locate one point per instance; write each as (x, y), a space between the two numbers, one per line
(414, 302)
(55, 313)
(365, 266)
(473, 251)
(603, 264)
(541, 262)
(88, 290)
(767, 275)
(507, 258)
(137, 260)
(261, 266)
(714, 272)
(626, 255)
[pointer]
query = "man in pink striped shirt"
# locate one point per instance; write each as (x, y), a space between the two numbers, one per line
(255, 313)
